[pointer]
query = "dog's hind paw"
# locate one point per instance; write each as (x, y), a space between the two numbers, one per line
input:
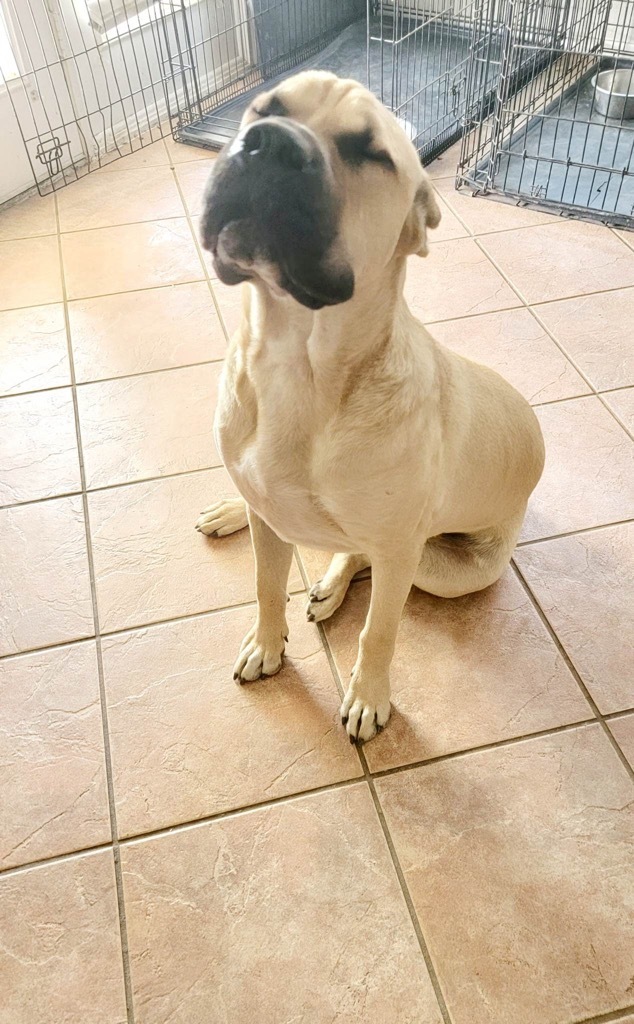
(324, 599)
(222, 518)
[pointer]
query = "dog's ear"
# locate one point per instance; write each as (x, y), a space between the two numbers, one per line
(424, 214)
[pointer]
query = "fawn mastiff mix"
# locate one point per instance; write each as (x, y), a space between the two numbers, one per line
(342, 423)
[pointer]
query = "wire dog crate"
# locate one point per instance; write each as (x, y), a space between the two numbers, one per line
(542, 90)
(89, 80)
(565, 138)
(414, 55)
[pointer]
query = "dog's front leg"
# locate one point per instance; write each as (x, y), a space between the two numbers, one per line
(366, 705)
(263, 646)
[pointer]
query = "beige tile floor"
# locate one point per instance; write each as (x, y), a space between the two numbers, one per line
(176, 850)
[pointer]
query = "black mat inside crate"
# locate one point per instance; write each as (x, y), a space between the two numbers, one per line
(572, 156)
(430, 70)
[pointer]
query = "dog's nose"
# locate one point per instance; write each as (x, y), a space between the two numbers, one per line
(276, 142)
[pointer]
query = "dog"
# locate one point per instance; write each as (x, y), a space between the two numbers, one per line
(342, 423)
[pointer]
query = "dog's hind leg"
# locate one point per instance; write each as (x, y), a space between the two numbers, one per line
(454, 564)
(327, 594)
(222, 518)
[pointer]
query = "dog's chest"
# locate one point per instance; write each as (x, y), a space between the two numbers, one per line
(280, 466)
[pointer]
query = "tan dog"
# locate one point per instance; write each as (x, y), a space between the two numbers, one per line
(343, 424)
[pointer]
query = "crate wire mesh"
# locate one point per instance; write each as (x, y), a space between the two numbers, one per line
(92, 80)
(546, 140)
(97, 79)
(413, 55)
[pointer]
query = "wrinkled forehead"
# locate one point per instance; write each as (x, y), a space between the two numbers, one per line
(332, 106)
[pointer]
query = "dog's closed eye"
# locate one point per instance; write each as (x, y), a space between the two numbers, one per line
(270, 107)
(358, 148)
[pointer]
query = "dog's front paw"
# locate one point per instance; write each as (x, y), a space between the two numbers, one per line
(222, 518)
(366, 707)
(260, 655)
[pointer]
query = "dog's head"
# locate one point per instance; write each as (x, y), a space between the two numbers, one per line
(320, 186)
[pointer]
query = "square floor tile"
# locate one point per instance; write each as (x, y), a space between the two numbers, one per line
(128, 257)
(193, 178)
(38, 446)
(33, 349)
(483, 214)
(60, 952)
(466, 672)
(150, 562)
(554, 261)
(309, 923)
(45, 597)
(30, 272)
(456, 279)
(136, 194)
(518, 861)
(623, 731)
(52, 768)
(152, 425)
(588, 479)
(152, 154)
(596, 331)
(514, 344)
(445, 165)
(184, 735)
(585, 586)
(622, 403)
(230, 301)
(181, 153)
(31, 217)
(117, 335)
(449, 227)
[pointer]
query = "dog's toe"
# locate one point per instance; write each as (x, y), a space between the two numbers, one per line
(362, 719)
(222, 518)
(323, 601)
(259, 656)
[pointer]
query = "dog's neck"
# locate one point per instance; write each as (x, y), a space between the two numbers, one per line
(332, 340)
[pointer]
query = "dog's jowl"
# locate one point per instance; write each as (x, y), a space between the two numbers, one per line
(340, 420)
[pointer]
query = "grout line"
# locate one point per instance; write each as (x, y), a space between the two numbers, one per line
(236, 812)
(367, 776)
(128, 376)
(201, 256)
(580, 683)
(626, 241)
(139, 627)
(528, 305)
(558, 401)
(573, 533)
(105, 295)
(123, 223)
(112, 487)
(59, 858)
(123, 931)
(615, 414)
(607, 1018)
(483, 748)
(422, 942)
(40, 501)
(220, 360)
(619, 714)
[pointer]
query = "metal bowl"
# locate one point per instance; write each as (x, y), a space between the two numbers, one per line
(614, 93)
